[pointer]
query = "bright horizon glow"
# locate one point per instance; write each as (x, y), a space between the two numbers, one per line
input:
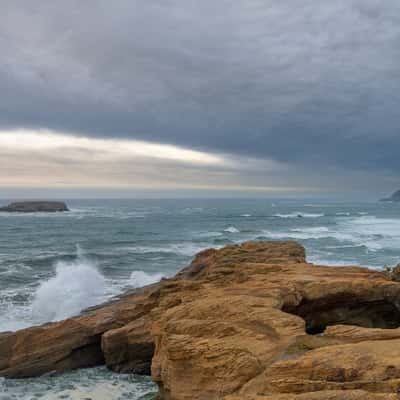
(26, 140)
(44, 158)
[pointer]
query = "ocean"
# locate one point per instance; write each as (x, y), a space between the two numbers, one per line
(54, 265)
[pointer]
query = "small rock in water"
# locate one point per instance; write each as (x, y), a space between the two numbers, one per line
(35, 206)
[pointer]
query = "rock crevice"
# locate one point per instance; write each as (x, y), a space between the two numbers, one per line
(345, 309)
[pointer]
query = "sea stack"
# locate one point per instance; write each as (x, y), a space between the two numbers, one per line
(395, 197)
(35, 206)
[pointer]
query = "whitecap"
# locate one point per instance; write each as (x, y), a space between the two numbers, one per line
(192, 210)
(320, 261)
(140, 278)
(188, 249)
(75, 286)
(208, 234)
(231, 229)
(298, 214)
(320, 232)
(372, 232)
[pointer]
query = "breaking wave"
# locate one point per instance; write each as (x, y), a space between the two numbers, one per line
(298, 214)
(75, 286)
(231, 229)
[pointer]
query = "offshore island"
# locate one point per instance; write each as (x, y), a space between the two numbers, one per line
(35, 206)
(247, 322)
(395, 197)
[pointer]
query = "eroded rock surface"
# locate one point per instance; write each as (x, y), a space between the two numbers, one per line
(250, 322)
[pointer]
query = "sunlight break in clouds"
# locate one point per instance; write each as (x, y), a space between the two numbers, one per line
(112, 149)
(46, 158)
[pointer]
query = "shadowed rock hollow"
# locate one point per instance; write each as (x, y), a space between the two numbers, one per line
(247, 322)
(345, 308)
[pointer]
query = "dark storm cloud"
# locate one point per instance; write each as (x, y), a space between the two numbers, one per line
(302, 82)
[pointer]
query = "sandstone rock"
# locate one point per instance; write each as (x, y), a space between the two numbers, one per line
(35, 206)
(250, 322)
(70, 344)
(324, 395)
(130, 348)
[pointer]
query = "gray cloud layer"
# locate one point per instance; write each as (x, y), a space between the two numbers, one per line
(301, 82)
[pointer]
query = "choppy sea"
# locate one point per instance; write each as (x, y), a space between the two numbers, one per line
(54, 265)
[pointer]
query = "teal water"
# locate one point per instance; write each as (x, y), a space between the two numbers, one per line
(54, 265)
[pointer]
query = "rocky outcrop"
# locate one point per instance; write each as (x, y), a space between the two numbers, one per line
(35, 206)
(247, 322)
(395, 197)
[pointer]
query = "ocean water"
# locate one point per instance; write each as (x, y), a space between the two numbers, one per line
(54, 265)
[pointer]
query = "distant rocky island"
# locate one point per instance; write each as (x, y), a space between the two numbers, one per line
(35, 206)
(394, 197)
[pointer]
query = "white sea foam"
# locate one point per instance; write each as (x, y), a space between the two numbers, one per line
(320, 232)
(13, 317)
(140, 278)
(372, 232)
(191, 210)
(231, 229)
(298, 214)
(375, 234)
(344, 246)
(245, 215)
(90, 383)
(320, 261)
(187, 249)
(208, 234)
(75, 286)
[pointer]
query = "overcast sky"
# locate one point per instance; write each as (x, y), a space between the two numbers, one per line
(245, 96)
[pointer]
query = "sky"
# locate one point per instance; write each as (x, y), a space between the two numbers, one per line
(253, 97)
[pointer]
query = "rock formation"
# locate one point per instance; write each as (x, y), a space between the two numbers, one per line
(395, 197)
(35, 206)
(247, 322)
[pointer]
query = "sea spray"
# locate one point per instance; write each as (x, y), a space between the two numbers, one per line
(75, 286)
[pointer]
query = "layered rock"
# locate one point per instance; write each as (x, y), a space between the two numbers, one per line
(250, 322)
(35, 206)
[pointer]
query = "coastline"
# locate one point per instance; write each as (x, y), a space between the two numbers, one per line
(239, 311)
